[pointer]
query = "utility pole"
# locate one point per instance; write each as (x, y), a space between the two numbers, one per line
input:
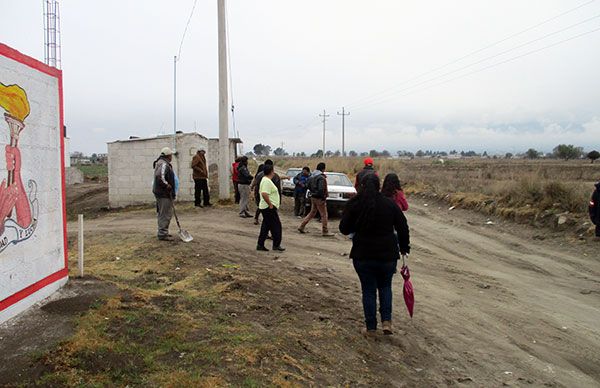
(343, 114)
(223, 105)
(324, 116)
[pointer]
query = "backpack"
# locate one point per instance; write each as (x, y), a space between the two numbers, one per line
(313, 185)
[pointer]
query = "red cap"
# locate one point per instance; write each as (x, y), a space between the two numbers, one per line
(368, 161)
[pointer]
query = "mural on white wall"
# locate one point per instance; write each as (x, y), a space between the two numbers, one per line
(19, 206)
(33, 229)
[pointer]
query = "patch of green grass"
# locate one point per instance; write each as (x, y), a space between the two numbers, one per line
(92, 171)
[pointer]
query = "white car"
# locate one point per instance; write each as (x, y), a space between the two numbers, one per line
(287, 185)
(340, 189)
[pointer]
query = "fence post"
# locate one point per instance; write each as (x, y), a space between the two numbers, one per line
(80, 243)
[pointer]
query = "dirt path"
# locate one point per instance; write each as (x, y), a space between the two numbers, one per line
(493, 306)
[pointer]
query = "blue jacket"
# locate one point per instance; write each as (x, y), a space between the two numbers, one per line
(300, 182)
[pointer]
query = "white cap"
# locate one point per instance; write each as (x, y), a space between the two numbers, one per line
(166, 151)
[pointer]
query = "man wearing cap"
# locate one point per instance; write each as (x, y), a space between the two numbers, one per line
(200, 175)
(164, 191)
(368, 169)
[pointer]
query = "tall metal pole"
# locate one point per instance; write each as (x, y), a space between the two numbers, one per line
(224, 192)
(174, 102)
(324, 116)
(343, 114)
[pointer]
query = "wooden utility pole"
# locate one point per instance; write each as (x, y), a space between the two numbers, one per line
(343, 114)
(223, 105)
(324, 116)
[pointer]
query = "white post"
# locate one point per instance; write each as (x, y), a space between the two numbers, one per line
(80, 243)
(223, 106)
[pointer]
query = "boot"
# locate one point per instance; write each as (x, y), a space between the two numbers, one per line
(387, 327)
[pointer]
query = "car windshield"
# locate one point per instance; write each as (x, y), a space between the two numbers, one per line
(338, 180)
(293, 172)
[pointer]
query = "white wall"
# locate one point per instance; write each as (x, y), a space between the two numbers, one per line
(32, 257)
(130, 172)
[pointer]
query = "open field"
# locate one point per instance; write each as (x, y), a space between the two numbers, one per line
(494, 306)
(526, 191)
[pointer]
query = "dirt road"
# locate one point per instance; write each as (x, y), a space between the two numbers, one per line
(494, 306)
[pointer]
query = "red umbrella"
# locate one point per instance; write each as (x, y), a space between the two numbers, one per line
(409, 296)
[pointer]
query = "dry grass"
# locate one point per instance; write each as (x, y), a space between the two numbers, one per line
(517, 189)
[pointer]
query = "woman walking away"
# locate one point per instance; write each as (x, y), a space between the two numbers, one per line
(254, 186)
(375, 250)
(269, 203)
(391, 188)
(244, 180)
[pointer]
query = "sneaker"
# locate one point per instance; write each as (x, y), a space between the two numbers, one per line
(248, 215)
(199, 206)
(255, 221)
(166, 238)
(301, 230)
(279, 248)
(327, 234)
(262, 248)
(208, 205)
(387, 327)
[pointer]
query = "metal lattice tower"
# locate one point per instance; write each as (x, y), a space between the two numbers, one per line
(52, 33)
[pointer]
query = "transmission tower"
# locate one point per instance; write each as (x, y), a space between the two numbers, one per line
(52, 33)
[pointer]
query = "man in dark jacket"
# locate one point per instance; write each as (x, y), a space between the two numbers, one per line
(595, 209)
(244, 180)
(164, 191)
(200, 175)
(317, 185)
(300, 182)
(367, 170)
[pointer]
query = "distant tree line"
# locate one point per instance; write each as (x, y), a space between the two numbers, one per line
(561, 151)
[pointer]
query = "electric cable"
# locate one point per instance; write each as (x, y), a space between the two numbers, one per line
(492, 65)
(388, 95)
(375, 95)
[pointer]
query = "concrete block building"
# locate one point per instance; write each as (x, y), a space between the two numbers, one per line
(130, 171)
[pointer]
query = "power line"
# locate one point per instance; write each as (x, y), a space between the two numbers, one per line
(375, 95)
(386, 97)
(186, 28)
(235, 132)
(496, 64)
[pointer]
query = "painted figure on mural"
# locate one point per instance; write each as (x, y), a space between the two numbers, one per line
(15, 206)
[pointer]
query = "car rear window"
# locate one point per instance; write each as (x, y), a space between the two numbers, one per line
(338, 180)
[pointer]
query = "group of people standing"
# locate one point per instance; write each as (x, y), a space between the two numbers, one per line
(373, 219)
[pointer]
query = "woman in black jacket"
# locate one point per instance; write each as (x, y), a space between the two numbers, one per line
(375, 250)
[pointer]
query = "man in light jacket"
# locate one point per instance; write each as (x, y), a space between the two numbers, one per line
(164, 192)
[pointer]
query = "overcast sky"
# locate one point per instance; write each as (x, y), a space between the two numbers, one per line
(292, 59)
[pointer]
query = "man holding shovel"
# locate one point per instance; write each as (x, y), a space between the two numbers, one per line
(163, 189)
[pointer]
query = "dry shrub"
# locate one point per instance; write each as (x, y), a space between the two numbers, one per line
(518, 188)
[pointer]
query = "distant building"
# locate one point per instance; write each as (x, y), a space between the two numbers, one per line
(130, 172)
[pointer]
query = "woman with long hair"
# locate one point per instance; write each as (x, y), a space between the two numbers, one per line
(393, 190)
(375, 250)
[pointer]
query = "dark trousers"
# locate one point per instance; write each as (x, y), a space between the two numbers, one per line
(201, 190)
(598, 230)
(270, 223)
(376, 276)
(299, 204)
(257, 201)
(236, 192)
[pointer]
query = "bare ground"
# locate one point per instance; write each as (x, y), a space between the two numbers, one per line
(494, 306)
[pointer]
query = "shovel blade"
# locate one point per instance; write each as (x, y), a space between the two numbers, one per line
(184, 235)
